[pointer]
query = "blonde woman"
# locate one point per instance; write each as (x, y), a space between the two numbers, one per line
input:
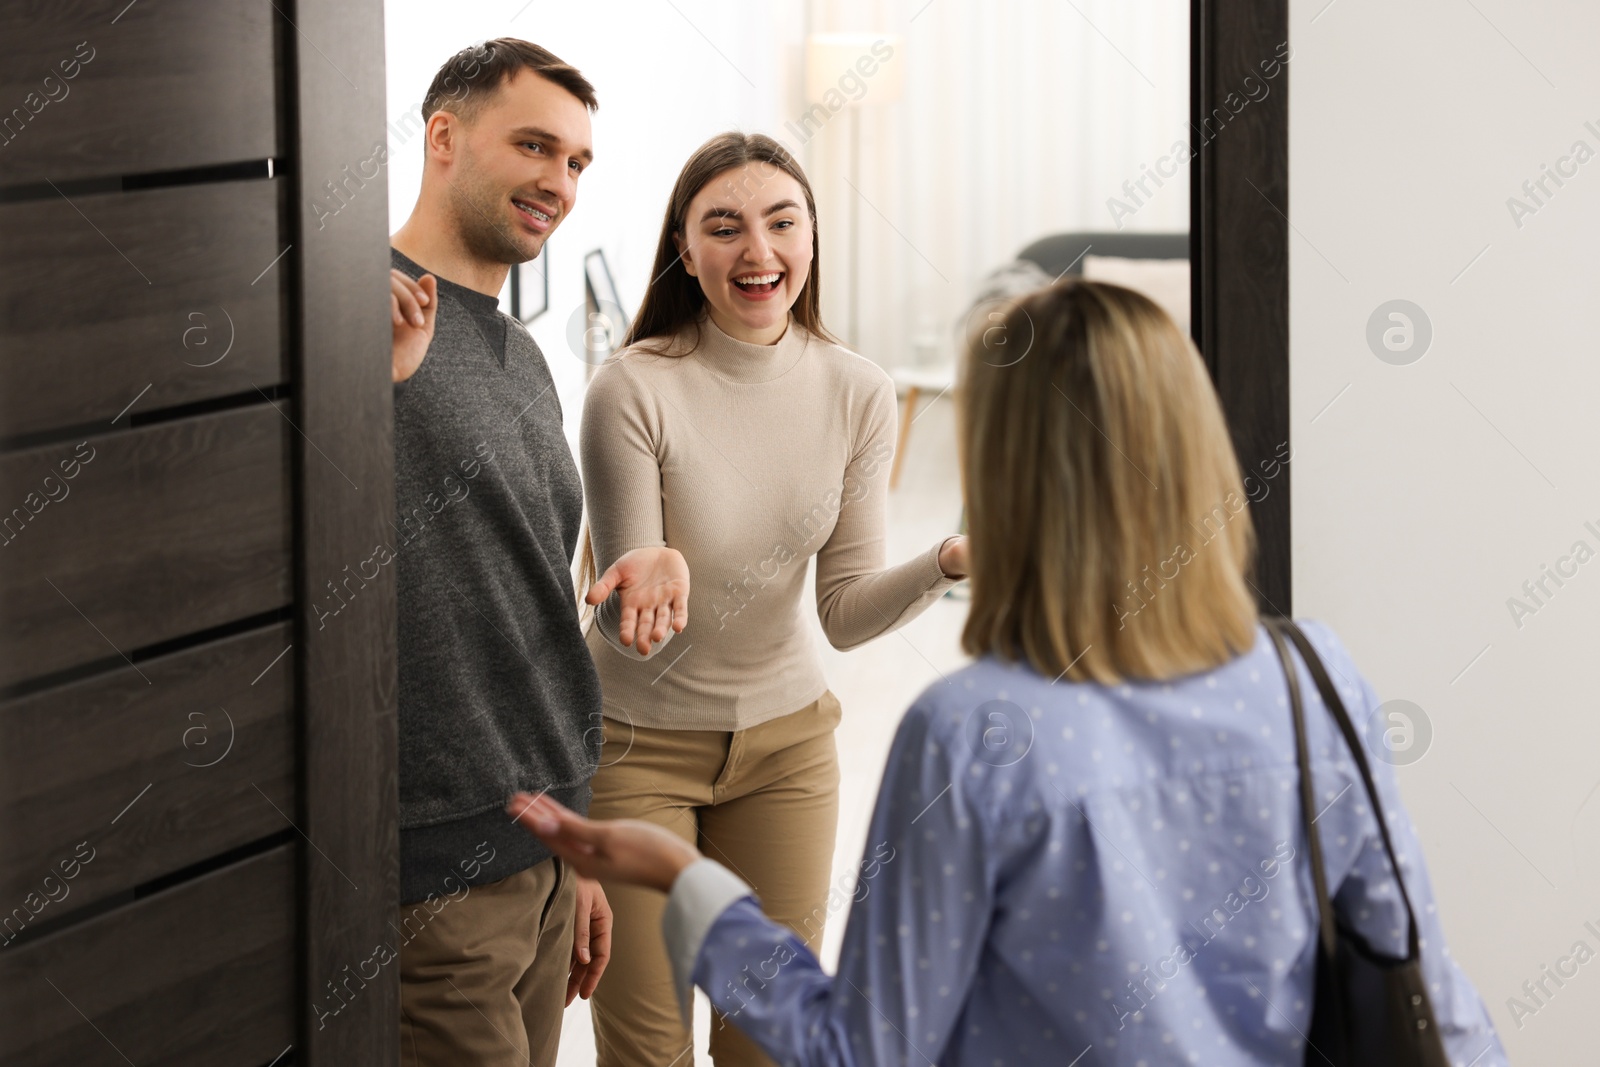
(1091, 838)
(734, 429)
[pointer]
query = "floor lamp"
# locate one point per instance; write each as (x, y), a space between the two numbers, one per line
(845, 72)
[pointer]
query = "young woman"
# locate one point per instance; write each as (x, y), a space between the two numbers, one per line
(1091, 837)
(732, 428)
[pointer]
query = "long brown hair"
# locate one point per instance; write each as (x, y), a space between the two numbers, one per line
(673, 300)
(1110, 535)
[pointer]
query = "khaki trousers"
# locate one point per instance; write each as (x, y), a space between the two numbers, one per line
(763, 802)
(483, 980)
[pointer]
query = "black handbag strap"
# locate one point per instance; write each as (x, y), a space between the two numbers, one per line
(1319, 876)
(1280, 628)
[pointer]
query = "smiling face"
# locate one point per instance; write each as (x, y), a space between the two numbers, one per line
(747, 239)
(513, 167)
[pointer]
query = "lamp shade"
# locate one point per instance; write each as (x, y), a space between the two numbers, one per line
(861, 68)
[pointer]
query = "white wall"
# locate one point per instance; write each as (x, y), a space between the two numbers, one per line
(1426, 494)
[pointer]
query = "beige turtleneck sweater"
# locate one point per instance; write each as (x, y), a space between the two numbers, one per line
(748, 459)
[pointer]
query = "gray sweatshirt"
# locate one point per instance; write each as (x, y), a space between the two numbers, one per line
(497, 689)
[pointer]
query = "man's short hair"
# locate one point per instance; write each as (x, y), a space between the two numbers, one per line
(473, 75)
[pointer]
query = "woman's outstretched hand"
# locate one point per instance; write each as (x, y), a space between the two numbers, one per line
(619, 850)
(654, 584)
(953, 557)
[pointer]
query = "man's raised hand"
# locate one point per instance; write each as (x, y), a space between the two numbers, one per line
(413, 305)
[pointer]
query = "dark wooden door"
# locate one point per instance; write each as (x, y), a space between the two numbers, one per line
(197, 776)
(1239, 249)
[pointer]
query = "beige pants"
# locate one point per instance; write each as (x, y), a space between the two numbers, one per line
(484, 979)
(763, 802)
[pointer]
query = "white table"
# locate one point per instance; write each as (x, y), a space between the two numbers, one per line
(913, 382)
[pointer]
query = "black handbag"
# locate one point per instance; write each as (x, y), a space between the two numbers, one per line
(1369, 1009)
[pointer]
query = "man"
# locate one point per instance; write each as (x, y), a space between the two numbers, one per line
(497, 689)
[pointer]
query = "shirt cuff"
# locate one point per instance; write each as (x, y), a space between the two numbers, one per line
(702, 892)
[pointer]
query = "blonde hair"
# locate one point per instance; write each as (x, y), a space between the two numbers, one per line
(1110, 535)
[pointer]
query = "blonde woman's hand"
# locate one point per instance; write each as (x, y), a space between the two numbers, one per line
(617, 850)
(654, 585)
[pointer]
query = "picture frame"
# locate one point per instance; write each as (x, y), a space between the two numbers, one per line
(603, 303)
(530, 287)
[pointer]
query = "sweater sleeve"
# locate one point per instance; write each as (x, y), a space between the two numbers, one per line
(858, 598)
(621, 482)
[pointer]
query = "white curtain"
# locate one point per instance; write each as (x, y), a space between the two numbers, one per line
(1018, 119)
